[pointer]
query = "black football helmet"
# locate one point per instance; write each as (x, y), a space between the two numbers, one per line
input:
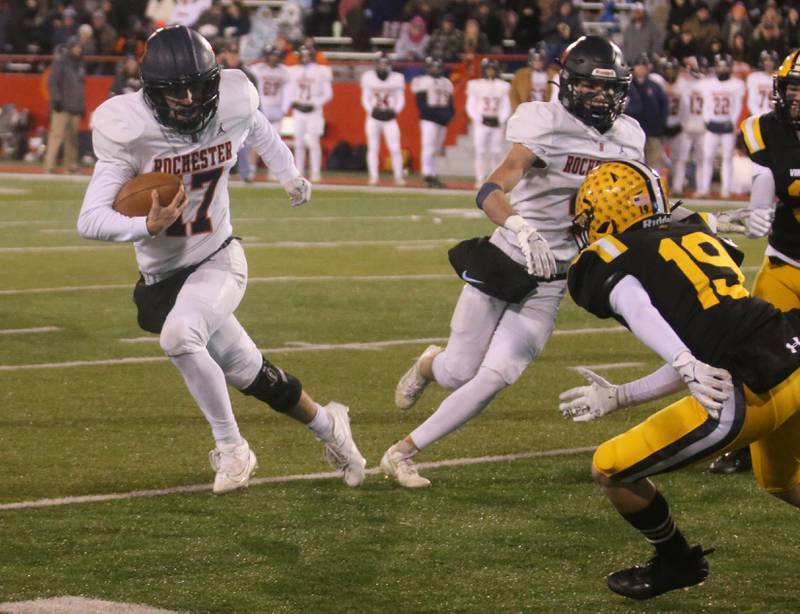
(596, 61)
(537, 55)
(179, 66)
(272, 55)
(723, 65)
(768, 55)
(488, 64)
(434, 66)
(788, 73)
(306, 54)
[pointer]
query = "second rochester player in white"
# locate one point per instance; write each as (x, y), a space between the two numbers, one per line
(492, 340)
(488, 106)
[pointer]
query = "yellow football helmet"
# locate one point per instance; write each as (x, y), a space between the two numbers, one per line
(788, 73)
(614, 196)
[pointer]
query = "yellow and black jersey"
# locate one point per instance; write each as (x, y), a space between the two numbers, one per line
(697, 287)
(771, 142)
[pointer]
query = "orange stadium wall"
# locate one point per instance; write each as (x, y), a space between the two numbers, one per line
(344, 115)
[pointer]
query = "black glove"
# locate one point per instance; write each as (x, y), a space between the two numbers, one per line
(58, 107)
(491, 121)
(383, 115)
(303, 108)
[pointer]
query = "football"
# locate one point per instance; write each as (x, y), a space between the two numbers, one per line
(134, 199)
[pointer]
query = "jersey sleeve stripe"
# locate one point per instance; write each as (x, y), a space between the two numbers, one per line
(751, 130)
(608, 248)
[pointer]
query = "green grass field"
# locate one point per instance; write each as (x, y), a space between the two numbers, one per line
(518, 535)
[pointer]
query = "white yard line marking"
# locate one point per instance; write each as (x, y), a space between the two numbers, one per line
(60, 248)
(283, 479)
(252, 280)
(58, 231)
(335, 218)
(25, 223)
(610, 365)
(25, 331)
(13, 191)
(294, 347)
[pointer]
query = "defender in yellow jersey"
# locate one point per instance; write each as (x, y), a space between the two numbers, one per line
(678, 288)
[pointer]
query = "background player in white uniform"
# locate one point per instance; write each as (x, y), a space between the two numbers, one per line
(309, 90)
(723, 96)
(492, 340)
(273, 80)
(189, 120)
(759, 84)
(675, 100)
(488, 106)
(692, 137)
(383, 96)
(434, 95)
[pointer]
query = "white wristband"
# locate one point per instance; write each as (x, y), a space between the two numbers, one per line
(515, 223)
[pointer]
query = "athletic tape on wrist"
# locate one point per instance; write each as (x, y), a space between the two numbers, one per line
(486, 189)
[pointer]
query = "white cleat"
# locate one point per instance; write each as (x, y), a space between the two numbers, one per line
(342, 452)
(373, 181)
(234, 464)
(395, 464)
(412, 384)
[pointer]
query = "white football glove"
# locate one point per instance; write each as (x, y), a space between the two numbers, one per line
(585, 403)
(731, 222)
(540, 260)
(298, 190)
(709, 385)
(759, 222)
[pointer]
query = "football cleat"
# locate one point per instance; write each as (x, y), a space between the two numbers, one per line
(659, 575)
(412, 384)
(342, 453)
(234, 464)
(735, 461)
(395, 464)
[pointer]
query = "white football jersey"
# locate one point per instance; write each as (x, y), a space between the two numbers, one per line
(691, 91)
(568, 149)
(129, 141)
(675, 99)
(310, 84)
(488, 98)
(273, 89)
(722, 100)
(384, 94)
(539, 80)
(438, 90)
(759, 92)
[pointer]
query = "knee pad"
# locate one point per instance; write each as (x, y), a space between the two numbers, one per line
(278, 389)
(178, 337)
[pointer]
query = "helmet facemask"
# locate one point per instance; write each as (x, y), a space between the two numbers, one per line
(587, 105)
(185, 105)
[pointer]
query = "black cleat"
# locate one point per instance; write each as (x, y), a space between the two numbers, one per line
(735, 461)
(660, 575)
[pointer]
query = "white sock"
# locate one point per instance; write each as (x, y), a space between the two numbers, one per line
(206, 383)
(459, 408)
(321, 425)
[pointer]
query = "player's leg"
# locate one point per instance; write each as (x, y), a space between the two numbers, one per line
(706, 170)
(208, 297)
(428, 148)
(479, 134)
(727, 145)
(249, 372)
(372, 128)
(244, 164)
(495, 148)
(55, 138)
(680, 156)
(472, 325)
(300, 133)
(520, 335)
(391, 132)
(315, 129)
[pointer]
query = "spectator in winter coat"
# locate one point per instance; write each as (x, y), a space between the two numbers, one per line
(413, 41)
(703, 28)
(736, 22)
(65, 86)
(649, 106)
(642, 36)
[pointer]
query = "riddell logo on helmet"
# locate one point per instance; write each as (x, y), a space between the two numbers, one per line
(604, 72)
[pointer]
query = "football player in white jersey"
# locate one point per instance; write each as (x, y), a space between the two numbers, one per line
(690, 88)
(516, 279)
(759, 84)
(189, 120)
(273, 80)
(723, 96)
(433, 93)
(309, 90)
(671, 71)
(488, 106)
(383, 96)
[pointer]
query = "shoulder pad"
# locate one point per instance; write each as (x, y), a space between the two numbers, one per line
(237, 95)
(531, 122)
(753, 138)
(116, 119)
